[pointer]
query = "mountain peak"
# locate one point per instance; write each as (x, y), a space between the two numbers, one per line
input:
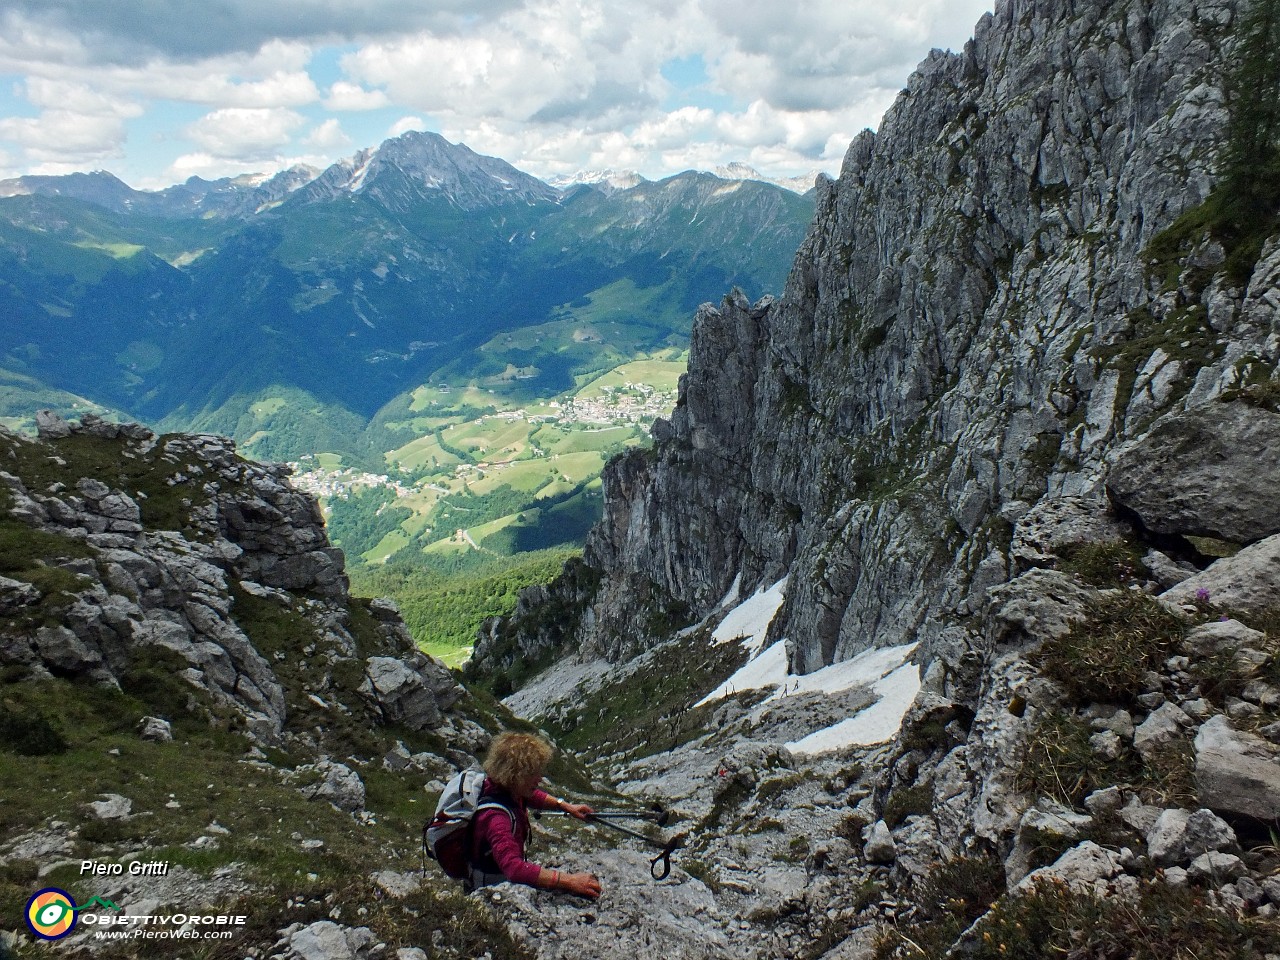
(98, 186)
(420, 165)
(608, 180)
(737, 170)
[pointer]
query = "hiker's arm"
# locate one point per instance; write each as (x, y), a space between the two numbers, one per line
(495, 827)
(541, 800)
(583, 884)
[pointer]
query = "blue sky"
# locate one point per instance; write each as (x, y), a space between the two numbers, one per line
(159, 90)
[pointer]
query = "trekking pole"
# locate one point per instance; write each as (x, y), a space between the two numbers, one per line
(659, 817)
(664, 858)
(604, 819)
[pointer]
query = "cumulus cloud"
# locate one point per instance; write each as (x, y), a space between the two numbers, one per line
(352, 96)
(245, 133)
(404, 125)
(553, 61)
(73, 140)
(801, 81)
(329, 135)
(77, 126)
(126, 31)
(550, 85)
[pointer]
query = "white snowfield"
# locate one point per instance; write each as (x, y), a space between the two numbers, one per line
(749, 621)
(885, 672)
(878, 723)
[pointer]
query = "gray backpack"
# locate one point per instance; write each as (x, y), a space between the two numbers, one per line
(447, 837)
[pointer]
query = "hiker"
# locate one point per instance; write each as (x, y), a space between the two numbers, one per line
(515, 766)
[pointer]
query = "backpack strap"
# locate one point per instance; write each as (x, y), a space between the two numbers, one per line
(481, 854)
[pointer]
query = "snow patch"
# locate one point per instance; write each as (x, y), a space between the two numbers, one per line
(749, 621)
(733, 594)
(358, 175)
(863, 670)
(878, 723)
(769, 669)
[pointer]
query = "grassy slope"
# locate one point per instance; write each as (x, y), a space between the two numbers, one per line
(64, 743)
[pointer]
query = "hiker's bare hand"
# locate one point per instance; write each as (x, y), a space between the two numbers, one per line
(583, 884)
(579, 810)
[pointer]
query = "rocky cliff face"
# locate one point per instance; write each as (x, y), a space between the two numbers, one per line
(975, 322)
(163, 544)
(186, 686)
(1015, 408)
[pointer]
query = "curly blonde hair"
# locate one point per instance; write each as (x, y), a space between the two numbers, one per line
(514, 758)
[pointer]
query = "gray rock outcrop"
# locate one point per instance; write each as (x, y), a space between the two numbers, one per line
(950, 350)
(1249, 581)
(168, 557)
(333, 782)
(1237, 772)
(1207, 472)
(993, 381)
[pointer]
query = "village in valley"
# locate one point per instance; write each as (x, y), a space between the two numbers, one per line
(470, 442)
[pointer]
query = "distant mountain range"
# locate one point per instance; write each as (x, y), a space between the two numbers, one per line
(341, 290)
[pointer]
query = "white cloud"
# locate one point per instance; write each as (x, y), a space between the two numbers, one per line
(77, 126)
(274, 76)
(246, 134)
(50, 94)
(352, 96)
(329, 135)
(60, 136)
(550, 85)
(405, 124)
(195, 30)
(564, 84)
(552, 61)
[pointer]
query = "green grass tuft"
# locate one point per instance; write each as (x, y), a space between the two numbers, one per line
(1107, 656)
(1113, 563)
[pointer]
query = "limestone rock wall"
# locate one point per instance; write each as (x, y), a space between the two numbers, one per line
(973, 324)
(165, 556)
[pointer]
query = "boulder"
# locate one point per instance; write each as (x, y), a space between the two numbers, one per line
(1182, 835)
(50, 426)
(96, 426)
(64, 652)
(1058, 522)
(880, 846)
(336, 783)
(1207, 639)
(401, 693)
(1038, 604)
(326, 940)
(1080, 867)
(1236, 772)
(112, 806)
(1216, 867)
(1249, 581)
(1163, 726)
(1046, 823)
(15, 594)
(1207, 472)
(155, 729)
(1209, 833)
(1166, 572)
(1108, 800)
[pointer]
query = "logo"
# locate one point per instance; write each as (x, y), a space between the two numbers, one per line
(51, 913)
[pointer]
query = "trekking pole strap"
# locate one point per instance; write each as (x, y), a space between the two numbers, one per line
(664, 858)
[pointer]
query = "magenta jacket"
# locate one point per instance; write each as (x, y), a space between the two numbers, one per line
(493, 833)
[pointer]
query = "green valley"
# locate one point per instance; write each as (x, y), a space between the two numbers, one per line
(447, 349)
